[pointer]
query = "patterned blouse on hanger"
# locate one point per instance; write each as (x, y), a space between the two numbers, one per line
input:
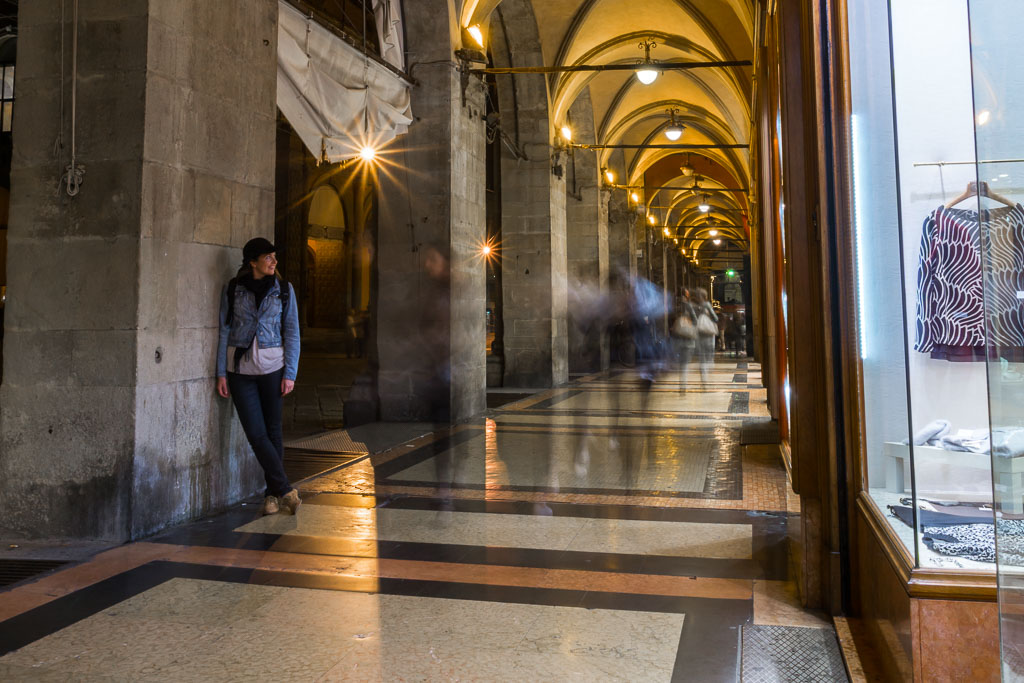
(951, 292)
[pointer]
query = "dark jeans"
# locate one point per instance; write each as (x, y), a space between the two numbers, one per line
(258, 401)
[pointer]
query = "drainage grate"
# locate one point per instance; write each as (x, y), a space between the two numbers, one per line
(791, 654)
(13, 571)
(337, 441)
(299, 465)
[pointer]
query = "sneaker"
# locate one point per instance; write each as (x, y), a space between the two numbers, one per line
(290, 502)
(270, 506)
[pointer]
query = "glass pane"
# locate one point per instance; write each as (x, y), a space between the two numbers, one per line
(8, 85)
(942, 266)
(879, 268)
(997, 52)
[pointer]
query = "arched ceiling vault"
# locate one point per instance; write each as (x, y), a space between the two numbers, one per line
(713, 104)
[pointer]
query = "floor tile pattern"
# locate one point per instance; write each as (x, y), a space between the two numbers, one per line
(605, 530)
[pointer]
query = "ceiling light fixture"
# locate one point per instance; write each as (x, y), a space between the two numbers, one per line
(704, 206)
(674, 131)
(713, 233)
(716, 242)
(686, 169)
(645, 71)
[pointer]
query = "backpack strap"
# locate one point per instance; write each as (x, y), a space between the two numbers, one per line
(232, 285)
(283, 294)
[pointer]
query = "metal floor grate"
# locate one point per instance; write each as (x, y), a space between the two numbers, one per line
(12, 571)
(791, 654)
(299, 465)
(337, 441)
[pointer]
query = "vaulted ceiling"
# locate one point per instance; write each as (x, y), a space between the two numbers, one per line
(714, 104)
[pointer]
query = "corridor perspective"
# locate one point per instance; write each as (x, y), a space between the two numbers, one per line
(598, 531)
(512, 340)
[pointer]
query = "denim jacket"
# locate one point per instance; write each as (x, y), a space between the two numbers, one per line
(266, 323)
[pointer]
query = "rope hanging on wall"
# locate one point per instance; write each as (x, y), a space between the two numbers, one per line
(73, 172)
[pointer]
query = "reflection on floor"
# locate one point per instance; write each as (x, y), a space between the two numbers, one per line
(592, 532)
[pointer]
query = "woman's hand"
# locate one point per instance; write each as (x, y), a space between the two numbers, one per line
(286, 386)
(222, 387)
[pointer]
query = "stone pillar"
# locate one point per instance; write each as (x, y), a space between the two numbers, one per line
(433, 200)
(534, 263)
(587, 244)
(110, 425)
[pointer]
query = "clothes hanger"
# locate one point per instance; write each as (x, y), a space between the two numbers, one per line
(972, 190)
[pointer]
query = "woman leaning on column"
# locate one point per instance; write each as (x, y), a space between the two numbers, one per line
(257, 360)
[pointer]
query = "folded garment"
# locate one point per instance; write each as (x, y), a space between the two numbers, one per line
(931, 431)
(1008, 441)
(970, 440)
(933, 518)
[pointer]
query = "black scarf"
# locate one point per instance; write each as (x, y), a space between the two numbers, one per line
(259, 288)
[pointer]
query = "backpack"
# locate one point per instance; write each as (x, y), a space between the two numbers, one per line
(283, 295)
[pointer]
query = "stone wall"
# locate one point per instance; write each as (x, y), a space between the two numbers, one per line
(110, 424)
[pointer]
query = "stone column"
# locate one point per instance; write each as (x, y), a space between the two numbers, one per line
(433, 201)
(110, 425)
(587, 244)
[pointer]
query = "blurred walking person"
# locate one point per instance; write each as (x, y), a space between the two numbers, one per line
(684, 335)
(707, 332)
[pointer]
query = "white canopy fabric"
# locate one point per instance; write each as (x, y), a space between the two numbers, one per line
(388, 14)
(337, 100)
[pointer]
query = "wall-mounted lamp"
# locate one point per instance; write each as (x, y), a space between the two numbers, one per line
(477, 35)
(567, 133)
(651, 219)
(609, 175)
(635, 197)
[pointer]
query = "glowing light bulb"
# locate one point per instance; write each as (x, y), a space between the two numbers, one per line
(567, 133)
(477, 34)
(713, 233)
(651, 219)
(635, 197)
(368, 153)
(704, 208)
(673, 133)
(682, 250)
(717, 242)
(646, 76)
(666, 231)
(610, 176)
(487, 250)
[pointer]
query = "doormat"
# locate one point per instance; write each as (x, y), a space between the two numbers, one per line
(762, 431)
(792, 654)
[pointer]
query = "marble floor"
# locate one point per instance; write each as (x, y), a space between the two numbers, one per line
(598, 531)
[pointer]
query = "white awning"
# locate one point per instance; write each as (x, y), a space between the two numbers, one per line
(337, 100)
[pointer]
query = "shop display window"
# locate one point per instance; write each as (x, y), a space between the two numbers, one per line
(997, 53)
(923, 233)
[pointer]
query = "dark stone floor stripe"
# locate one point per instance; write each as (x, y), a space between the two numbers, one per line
(740, 402)
(724, 493)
